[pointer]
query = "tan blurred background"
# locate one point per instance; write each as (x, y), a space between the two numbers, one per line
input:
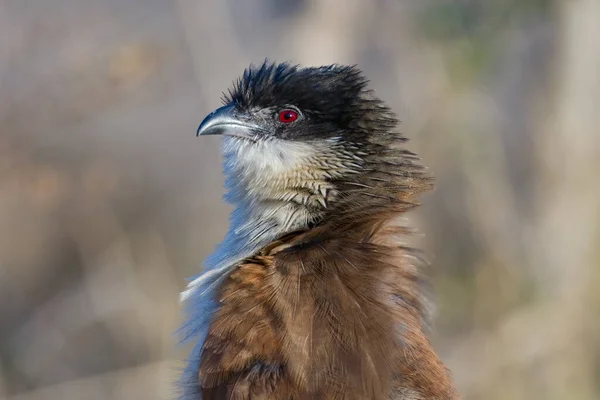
(108, 201)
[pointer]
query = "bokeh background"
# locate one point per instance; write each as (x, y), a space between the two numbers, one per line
(108, 201)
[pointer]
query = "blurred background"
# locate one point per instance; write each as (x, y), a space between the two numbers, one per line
(108, 201)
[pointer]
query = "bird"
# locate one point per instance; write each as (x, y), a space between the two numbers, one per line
(312, 294)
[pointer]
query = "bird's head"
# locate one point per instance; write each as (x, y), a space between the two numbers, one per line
(304, 136)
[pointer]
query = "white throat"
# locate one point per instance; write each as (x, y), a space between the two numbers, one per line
(277, 187)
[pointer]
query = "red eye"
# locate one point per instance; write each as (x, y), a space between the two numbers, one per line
(287, 116)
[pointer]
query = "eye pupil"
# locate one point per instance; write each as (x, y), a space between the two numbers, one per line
(287, 116)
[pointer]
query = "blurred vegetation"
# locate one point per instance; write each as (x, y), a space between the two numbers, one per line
(475, 29)
(107, 201)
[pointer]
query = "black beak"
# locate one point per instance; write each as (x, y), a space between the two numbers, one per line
(223, 121)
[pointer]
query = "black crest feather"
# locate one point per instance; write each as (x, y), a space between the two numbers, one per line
(311, 88)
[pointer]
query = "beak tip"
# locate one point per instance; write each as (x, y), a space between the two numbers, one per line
(212, 121)
(223, 121)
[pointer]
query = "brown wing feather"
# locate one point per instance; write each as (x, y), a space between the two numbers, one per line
(312, 317)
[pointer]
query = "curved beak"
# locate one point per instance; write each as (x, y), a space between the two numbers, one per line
(223, 121)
